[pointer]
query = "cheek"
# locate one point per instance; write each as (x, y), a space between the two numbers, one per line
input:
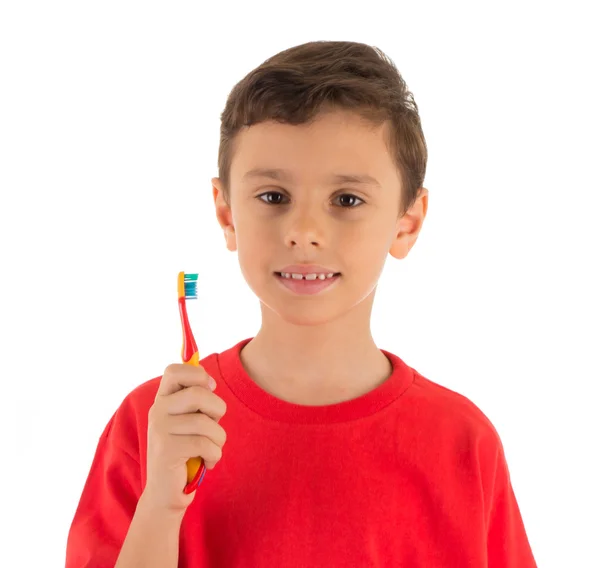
(367, 251)
(255, 248)
(366, 239)
(258, 237)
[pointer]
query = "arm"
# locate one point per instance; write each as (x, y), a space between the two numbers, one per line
(152, 540)
(128, 516)
(508, 545)
(112, 520)
(107, 504)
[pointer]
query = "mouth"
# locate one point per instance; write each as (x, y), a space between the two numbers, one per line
(308, 277)
(308, 284)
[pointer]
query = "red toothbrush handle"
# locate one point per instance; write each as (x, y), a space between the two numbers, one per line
(192, 485)
(190, 355)
(189, 343)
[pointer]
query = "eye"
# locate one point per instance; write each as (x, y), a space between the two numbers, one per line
(269, 202)
(354, 199)
(357, 200)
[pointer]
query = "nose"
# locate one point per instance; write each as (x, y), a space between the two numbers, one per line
(304, 230)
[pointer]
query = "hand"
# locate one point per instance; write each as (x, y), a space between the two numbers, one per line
(182, 424)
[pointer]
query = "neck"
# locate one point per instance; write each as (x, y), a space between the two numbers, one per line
(318, 364)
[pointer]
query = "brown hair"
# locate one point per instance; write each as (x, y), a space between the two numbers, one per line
(296, 84)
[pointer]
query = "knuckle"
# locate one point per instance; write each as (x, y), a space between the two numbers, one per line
(222, 408)
(208, 427)
(223, 436)
(214, 431)
(198, 395)
(201, 447)
(208, 450)
(201, 422)
(169, 369)
(217, 453)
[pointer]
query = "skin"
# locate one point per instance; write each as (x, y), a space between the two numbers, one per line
(316, 349)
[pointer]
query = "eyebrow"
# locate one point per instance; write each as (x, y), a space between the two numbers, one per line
(284, 175)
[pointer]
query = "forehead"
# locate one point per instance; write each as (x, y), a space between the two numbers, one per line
(340, 142)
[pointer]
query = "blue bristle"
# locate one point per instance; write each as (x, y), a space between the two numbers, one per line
(190, 284)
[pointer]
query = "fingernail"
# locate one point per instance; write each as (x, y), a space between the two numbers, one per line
(212, 384)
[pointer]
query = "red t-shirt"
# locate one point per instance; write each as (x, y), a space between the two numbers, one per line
(411, 474)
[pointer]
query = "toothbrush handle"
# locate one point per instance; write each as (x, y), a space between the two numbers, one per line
(189, 350)
(190, 356)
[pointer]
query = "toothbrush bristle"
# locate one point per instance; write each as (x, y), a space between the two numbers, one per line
(190, 284)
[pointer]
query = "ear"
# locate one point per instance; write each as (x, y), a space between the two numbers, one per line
(409, 226)
(224, 215)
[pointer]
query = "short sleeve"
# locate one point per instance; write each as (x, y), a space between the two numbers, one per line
(508, 545)
(106, 506)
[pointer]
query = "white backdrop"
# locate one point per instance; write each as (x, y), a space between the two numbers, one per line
(109, 125)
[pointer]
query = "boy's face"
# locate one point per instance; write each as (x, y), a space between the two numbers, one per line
(311, 219)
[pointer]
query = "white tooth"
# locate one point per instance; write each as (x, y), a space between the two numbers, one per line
(313, 276)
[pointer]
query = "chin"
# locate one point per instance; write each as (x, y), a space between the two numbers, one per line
(296, 313)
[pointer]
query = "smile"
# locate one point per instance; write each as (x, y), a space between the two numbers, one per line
(307, 283)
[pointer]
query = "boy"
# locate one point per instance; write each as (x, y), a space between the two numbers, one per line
(337, 453)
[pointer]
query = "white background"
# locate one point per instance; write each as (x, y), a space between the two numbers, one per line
(109, 125)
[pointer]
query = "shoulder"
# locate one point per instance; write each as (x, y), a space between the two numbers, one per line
(462, 440)
(451, 402)
(455, 417)
(462, 437)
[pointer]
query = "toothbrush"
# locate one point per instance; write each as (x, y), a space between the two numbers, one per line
(187, 289)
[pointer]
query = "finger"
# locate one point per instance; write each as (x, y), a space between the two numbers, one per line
(196, 424)
(180, 375)
(194, 399)
(186, 447)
